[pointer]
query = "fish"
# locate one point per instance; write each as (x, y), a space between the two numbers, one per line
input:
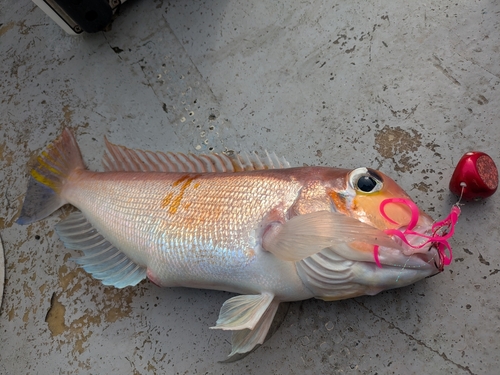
(242, 223)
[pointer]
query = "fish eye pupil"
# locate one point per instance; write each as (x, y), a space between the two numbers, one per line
(366, 184)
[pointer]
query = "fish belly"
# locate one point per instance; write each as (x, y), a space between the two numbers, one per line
(192, 230)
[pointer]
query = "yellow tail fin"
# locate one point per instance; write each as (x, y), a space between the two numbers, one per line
(53, 167)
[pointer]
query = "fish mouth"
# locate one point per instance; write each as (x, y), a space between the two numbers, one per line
(416, 252)
(422, 242)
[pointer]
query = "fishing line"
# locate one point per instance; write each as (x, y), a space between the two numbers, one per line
(441, 230)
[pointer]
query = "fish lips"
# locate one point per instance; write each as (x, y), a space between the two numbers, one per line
(418, 254)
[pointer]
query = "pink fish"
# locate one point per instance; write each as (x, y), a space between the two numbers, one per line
(237, 223)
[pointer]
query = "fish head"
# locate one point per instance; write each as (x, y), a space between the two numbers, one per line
(419, 247)
(367, 190)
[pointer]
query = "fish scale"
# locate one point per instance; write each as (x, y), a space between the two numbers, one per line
(211, 242)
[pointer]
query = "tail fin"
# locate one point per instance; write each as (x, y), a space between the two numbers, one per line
(53, 167)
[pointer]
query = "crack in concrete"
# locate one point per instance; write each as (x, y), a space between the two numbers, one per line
(193, 65)
(474, 62)
(116, 50)
(148, 83)
(420, 342)
(439, 65)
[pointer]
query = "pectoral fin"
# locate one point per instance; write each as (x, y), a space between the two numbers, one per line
(243, 312)
(308, 234)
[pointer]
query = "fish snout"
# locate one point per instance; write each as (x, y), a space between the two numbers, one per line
(428, 257)
(419, 250)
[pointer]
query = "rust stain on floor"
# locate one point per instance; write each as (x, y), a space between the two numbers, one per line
(398, 144)
(7, 27)
(68, 113)
(55, 317)
(107, 306)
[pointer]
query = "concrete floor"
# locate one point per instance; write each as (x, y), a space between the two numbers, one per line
(396, 85)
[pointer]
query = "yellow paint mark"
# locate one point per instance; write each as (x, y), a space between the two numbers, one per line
(55, 317)
(196, 186)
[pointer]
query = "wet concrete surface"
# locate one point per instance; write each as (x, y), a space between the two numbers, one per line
(399, 86)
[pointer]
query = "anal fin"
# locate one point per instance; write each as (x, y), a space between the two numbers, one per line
(102, 260)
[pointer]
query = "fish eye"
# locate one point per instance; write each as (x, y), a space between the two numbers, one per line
(365, 180)
(366, 184)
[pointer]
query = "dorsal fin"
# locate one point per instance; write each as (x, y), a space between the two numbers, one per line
(122, 159)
